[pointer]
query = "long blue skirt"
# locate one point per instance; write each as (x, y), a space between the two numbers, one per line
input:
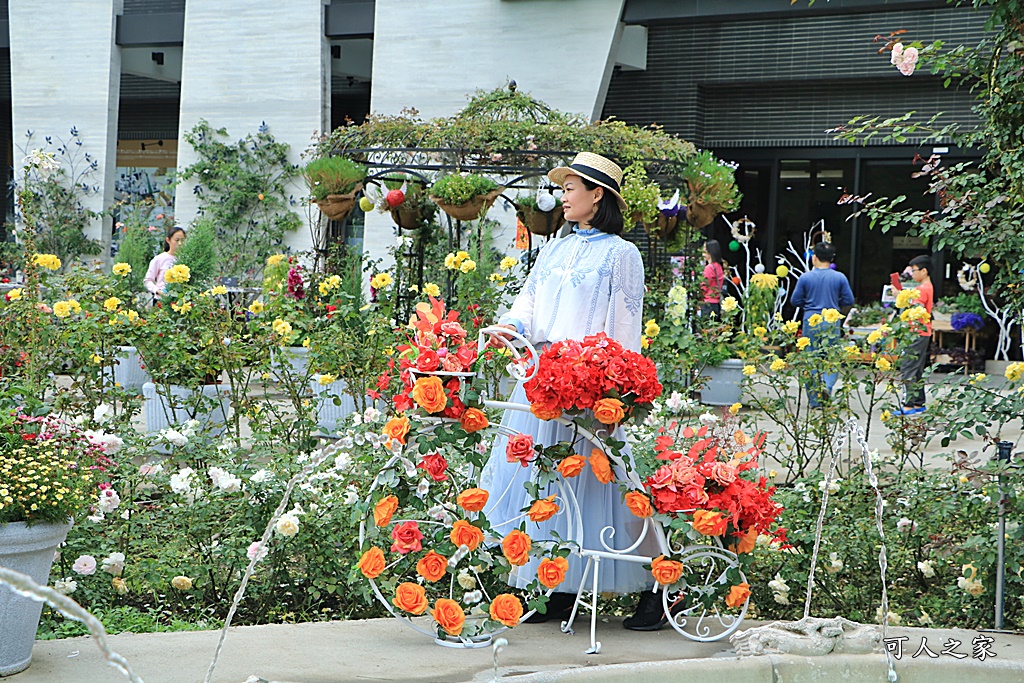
(601, 506)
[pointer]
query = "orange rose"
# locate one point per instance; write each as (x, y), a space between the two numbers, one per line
(602, 467)
(432, 567)
(473, 500)
(428, 392)
(666, 572)
(465, 534)
(371, 564)
(738, 595)
(543, 412)
(709, 523)
(396, 428)
(516, 547)
(552, 572)
(571, 466)
(383, 510)
(639, 504)
(748, 542)
(609, 411)
(507, 609)
(411, 598)
(449, 616)
(473, 420)
(543, 509)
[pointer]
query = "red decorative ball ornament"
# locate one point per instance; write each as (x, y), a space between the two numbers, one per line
(736, 279)
(395, 198)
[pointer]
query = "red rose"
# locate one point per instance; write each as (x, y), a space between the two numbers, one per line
(466, 354)
(427, 361)
(435, 465)
(408, 538)
(520, 449)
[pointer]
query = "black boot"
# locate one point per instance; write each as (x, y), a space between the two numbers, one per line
(649, 614)
(559, 606)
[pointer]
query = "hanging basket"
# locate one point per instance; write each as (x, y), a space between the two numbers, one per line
(699, 214)
(663, 228)
(539, 222)
(337, 207)
(407, 217)
(471, 210)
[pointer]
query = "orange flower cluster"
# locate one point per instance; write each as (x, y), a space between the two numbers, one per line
(550, 572)
(465, 534)
(516, 547)
(544, 509)
(666, 572)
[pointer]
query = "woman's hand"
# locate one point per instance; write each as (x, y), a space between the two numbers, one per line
(495, 342)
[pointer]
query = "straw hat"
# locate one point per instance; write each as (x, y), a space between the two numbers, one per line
(594, 168)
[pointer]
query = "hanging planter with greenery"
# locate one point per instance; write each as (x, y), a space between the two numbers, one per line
(537, 220)
(334, 182)
(465, 197)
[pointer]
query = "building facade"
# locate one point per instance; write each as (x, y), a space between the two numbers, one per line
(756, 81)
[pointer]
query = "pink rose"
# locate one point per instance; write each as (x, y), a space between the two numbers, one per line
(84, 565)
(453, 329)
(408, 538)
(723, 473)
(257, 551)
(520, 449)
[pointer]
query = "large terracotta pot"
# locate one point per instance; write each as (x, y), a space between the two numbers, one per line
(28, 550)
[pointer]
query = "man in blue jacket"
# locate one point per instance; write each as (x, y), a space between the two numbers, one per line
(820, 288)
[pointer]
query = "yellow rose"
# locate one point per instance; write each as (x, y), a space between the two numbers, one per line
(508, 263)
(461, 256)
(734, 409)
(381, 281)
(14, 294)
(467, 266)
(831, 315)
(97, 359)
(431, 289)
(803, 342)
(778, 365)
(324, 380)
(450, 263)
(814, 320)
(121, 269)
(282, 328)
(645, 342)
(729, 303)
(62, 309)
(1014, 372)
(883, 364)
(48, 261)
(791, 327)
(112, 303)
(219, 290)
(275, 259)
(851, 351)
(177, 274)
(760, 331)
(749, 370)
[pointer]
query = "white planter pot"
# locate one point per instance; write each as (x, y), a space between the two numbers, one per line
(328, 414)
(289, 363)
(128, 371)
(160, 415)
(28, 550)
(725, 385)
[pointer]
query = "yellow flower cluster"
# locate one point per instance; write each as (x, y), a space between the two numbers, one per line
(454, 259)
(652, 329)
(1014, 372)
(906, 297)
(729, 303)
(14, 294)
(381, 281)
(326, 379)
(803, 342)
(177, 274)
(760, 331)
(831, 315)
(508, 263)
(883, 364)
(63, 309)
(778, 365)
(40, 482)
(181, 308)
(791, 327)
(497, 278)
(256, 307)
(977, 378)
(275, 259)
(916, 314)
(764, 281)
(877, 335)
(815, 320)
(330, 284)
(111, 304)
(749, 370)
(431, 289)
(122, 269)
(282, 328)
(851, 350)
(219, 290)
(48, 261)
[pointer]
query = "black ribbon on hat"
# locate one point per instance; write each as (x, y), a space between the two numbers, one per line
(599, 176)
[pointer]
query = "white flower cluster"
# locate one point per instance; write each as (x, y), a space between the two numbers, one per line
(224, 480)
(780, 589)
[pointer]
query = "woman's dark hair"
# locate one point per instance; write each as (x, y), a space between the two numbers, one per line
(714, 250)
(608, 217)
(171, 232)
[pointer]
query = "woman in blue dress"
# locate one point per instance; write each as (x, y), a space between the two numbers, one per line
(588, 282)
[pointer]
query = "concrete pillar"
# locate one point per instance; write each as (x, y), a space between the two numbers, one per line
(66, 73)
(430, 55)
(245, 62)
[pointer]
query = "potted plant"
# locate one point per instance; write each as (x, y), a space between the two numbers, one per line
(48, 475)
(539, 220)
(334, 182)
(404, 197)
(641, 197)
(465, 197)
(711, 188)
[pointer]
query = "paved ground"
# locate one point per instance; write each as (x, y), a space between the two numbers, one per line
(384, 650)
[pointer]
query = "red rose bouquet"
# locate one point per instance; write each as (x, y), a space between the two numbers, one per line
(595, 374)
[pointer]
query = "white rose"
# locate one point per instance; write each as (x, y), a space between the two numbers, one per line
(102, 413)
(113, 564)
(927, 568)
(287, 525)
(65, 586)
(108, 501)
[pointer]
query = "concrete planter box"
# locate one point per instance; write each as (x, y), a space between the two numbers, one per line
(329, 415)
(28, 550)
(128, 371)
(289, 363)
(725, 385)
(186, 406)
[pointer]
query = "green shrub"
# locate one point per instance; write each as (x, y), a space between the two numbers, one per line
(137, 249)
(199, 252)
